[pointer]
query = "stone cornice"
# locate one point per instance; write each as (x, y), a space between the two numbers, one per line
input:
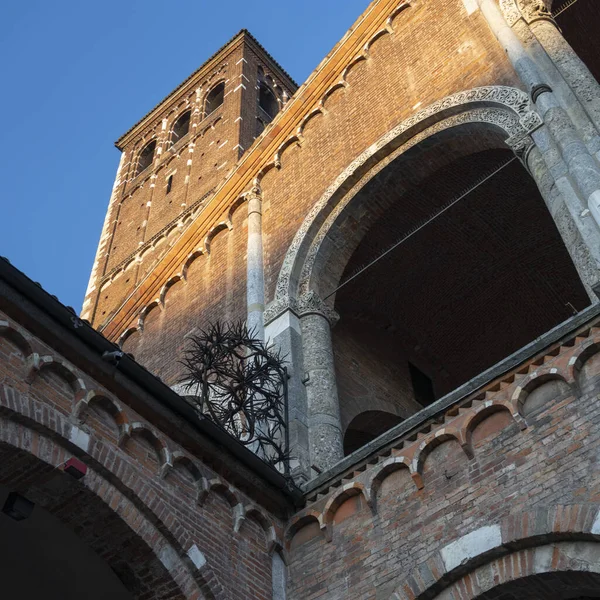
(260, 156)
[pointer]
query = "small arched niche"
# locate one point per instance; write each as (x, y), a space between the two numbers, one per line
(267, 101)
(146, 157)
(366, 427)
(214, 99)
(181, 127)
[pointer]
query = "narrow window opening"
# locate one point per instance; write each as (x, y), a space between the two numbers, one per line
(169, 184)
(214, 99)
(267, 100)
(422, 386)
(146, 157)
(181, 127)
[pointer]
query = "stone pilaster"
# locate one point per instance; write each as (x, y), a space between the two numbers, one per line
(255, 292)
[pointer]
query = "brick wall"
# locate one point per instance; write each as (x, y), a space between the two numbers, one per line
(149, 507)
(510, 457)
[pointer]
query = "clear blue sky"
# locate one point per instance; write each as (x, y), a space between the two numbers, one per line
(77, 74)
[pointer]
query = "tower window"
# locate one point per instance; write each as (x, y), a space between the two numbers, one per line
(181, 127)
(422, 386)
(169, 184)
(267, 100)
(214, 99)
(146, 157)
(260, 126)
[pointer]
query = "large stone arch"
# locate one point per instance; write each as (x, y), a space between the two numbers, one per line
(507, 109)
(96, 508)
(561, 542)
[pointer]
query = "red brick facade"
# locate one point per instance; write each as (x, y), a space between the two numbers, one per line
(483, 483)
(167, 523)
(519, 456)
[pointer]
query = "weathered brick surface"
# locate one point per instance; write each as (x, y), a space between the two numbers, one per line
(145, 501)
(435, 49)
(144, 220)
(420, 496)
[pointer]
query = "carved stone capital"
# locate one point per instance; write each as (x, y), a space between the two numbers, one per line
(311, 304)
(278, 307)
(529, 10)
(521, 146)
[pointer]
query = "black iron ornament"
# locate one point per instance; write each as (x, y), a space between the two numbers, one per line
(241, 385)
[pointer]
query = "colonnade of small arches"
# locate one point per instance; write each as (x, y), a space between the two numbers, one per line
(70, 429)
(510, 395)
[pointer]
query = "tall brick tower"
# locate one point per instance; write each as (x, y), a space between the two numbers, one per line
(174, 159)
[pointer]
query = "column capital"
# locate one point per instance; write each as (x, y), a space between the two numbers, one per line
(521, 146)
(311, 304)
(529, 10)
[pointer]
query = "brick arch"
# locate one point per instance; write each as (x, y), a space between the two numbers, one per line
(507, 110)
(547, 540)
(100, 514)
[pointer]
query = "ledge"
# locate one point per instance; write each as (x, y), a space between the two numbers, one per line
(562, 331)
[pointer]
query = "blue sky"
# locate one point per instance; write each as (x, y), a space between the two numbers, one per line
(78, 74)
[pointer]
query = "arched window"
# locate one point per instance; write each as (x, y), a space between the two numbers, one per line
(214, 99)
(267, 100)
(181, 127)
(146, 157)
(260, 126)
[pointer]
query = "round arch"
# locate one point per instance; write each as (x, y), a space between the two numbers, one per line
(506, 109)
(104, 518)
(554, 549)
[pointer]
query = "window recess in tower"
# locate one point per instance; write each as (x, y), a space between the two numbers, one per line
(214, 99)
(146, 157)
(181, 127)
(169, 184)
(267, 101)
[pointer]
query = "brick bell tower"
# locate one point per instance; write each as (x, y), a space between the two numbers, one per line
(175, 158)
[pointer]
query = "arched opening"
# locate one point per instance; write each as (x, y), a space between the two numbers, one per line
(459, 292)
(267, 101)
(62, 540)
(214, 99)
(146, 157)
(367, 426)
(41, 558)
(562, 585)
(579, 21)
(181, 127)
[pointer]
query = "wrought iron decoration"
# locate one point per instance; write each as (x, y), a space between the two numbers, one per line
(241, 385)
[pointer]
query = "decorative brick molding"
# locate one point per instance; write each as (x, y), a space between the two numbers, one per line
(46, 421)
(410, 452)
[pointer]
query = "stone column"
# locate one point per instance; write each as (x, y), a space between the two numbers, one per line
(255, 290)
(324, 423)
(566, 210)
(571, 67)
(562, 90)
(582, 166)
